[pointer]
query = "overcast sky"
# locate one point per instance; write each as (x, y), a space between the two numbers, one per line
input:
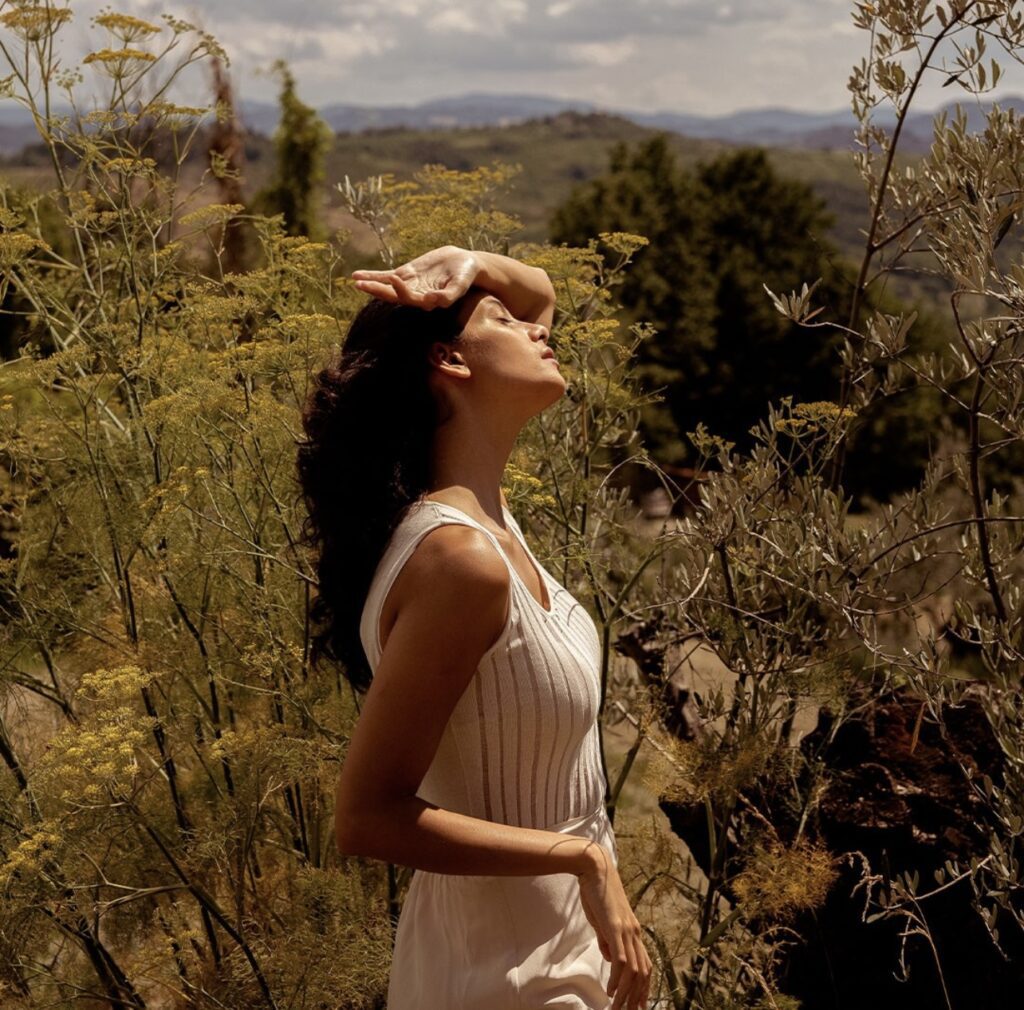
(693, 56)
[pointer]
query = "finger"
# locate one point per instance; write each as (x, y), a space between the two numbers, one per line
(406, 293)
(391, 277)
(627, 982)
(637, 954)
(633, 993)
(378, 289)
(639, 997)
(627, 973)
(650, 977)
(644, 996)
(618, 964)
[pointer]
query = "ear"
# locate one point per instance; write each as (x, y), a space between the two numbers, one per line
(442, 355)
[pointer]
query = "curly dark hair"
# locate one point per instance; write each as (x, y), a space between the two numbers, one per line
(369, 420)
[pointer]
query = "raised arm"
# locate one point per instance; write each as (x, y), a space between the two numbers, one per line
(442, 275)
(527, 292)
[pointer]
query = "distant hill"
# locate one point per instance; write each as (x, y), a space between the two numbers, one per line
(555, 153)
(830, 130)
(17, 129)
(770, 126)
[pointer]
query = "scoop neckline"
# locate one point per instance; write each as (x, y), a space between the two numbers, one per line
(536, 566)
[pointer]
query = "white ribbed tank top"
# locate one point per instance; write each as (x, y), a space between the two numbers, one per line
(521, 746)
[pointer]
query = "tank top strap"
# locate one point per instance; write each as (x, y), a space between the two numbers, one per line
(422, 517)
(457, 515)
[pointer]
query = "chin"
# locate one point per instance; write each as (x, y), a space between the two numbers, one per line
(551, 397)
(559, 390)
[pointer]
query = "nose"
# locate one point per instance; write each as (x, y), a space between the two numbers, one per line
(540, 331)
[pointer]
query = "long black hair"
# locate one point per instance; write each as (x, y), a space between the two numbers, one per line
(369, 421)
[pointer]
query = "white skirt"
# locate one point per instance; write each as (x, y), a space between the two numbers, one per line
(475, 942)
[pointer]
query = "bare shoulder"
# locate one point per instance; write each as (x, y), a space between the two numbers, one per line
(454, 601)
(456, 556)
(454, 569)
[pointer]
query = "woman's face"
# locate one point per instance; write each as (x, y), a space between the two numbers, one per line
(501, 356)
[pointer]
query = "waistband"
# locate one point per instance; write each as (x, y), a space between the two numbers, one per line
(581, 820)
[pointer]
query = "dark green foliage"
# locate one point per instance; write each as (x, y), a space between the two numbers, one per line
(722, 351)
(18, 323)
(718, 233)
(301, 142)
(764, 230)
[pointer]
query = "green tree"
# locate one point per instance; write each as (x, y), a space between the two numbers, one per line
(670, 284)
(763, 230)
(719, 350)
(715, 235)
(301, 142)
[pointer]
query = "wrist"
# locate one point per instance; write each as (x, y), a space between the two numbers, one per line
(486, 267)
(591, 858)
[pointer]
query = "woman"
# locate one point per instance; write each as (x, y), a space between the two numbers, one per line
(474, 758)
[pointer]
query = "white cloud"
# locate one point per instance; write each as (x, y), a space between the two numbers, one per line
(472, 19)
(700, 56)
(602, 54)
(846, 27)
(453, 20)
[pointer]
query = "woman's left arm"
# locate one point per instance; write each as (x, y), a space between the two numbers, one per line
(527, 292)
(442, 275)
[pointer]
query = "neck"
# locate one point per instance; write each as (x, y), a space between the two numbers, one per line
(469, 457)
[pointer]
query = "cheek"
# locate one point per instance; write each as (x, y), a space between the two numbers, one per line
(505, 359)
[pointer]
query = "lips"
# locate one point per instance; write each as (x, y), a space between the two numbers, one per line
(548, 353)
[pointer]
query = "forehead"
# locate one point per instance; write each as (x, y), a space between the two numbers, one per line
(481, 307)
(477, 305)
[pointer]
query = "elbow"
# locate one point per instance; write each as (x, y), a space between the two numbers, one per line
(347, 838)
(545, 285)
(368, 828)
(349, 819)
(343, 843)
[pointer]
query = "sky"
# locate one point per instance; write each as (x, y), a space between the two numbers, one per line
(694, 56)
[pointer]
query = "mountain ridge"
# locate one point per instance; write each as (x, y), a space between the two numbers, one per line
(770, 125)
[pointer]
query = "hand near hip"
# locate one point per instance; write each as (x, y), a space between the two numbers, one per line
(437, 278)
(619, 933)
